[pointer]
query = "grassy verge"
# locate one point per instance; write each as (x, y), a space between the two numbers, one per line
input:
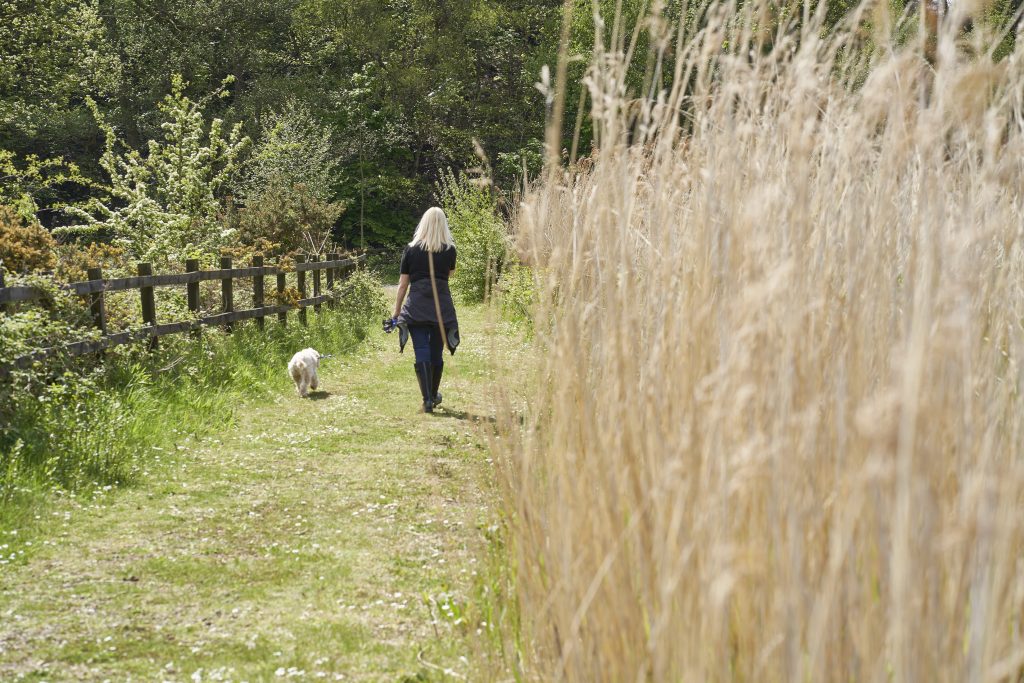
(89, 430)
(335, 539)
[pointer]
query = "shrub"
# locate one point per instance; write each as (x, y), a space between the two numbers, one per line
(48, 412)
(522, 165)
(479, 233)
(30, 182)
(75, 260)
(289, 217)
(25, 246)
(361, 301)
(294, 149)
(517, 291)
(168, 201)
(58, 318)
(384, 264)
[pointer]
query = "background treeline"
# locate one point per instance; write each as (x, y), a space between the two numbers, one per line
(402, 87)
(387, 93)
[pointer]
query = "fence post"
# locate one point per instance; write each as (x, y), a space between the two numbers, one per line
(283, 316)
(301, 277)
(148, 302)
(97, 304)
(227, 292)
(257, 289)
(331, 303)
(7, 308)
(316, 284)
(192, 288)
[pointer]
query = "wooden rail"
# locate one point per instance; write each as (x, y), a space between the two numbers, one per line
(16, 294)
(94, 289)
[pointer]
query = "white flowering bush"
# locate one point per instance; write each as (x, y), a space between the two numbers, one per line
(166, 204)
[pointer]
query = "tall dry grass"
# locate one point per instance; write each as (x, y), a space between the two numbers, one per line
(777, 433)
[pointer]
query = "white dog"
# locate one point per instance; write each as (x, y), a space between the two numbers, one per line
(302, 367)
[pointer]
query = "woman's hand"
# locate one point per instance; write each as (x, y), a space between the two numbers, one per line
(403, 287)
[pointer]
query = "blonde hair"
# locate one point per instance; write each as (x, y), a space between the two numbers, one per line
(432, 234)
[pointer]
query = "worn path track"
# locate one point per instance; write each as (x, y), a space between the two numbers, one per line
(316, 539)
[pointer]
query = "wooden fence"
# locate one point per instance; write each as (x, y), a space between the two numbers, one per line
(94, 289)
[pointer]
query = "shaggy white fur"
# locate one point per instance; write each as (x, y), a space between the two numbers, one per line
(302, 367)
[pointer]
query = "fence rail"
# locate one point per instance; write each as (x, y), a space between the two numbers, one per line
(94, 289)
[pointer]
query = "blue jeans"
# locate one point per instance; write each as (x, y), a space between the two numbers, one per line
(427, 344)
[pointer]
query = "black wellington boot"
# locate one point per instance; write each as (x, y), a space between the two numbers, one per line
(423, 376)
(436, 383)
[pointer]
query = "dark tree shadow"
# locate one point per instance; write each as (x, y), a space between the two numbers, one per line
(319, 395)
(441, 411)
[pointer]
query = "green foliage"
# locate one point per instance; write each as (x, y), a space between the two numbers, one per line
(25, 246)
(369, 100)
(75, 260)
(384, 264)
(295, 148)
(58, 318)
(168, 202)
(523, 164)
(54, 423)
(289, 217)
(31, 183)
(517, 289)
(52, 52)
(88, 424)
(480, 235)
(391, 92)
(72, 433)
(362, 304)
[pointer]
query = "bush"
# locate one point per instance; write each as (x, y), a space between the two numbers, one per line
(75, 260)
(517, 290)
(58, 318)
(362, 303)
(295, 148)
(54, 423)
(290, 217)
(479, 233)
(384, 263)
(167, 203)
(25, 246)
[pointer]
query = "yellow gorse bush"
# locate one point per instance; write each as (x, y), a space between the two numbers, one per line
(25, 246)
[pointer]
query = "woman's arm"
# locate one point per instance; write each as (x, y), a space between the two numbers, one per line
(403, 287)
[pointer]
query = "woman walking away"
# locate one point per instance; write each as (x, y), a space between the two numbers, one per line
(427, 263)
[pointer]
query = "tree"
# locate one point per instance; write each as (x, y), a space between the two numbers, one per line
(52, 53)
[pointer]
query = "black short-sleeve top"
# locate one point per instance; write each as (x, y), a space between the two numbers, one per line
(417, 267)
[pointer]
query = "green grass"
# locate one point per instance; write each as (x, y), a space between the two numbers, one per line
(338, 537)
(79, 433)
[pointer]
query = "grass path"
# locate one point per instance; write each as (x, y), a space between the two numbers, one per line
(314, 539)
